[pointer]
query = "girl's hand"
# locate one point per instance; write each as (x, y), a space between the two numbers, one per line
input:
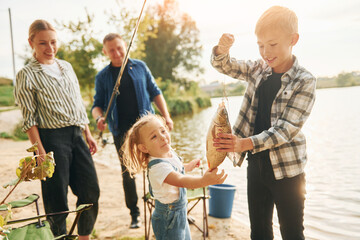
(227, 142)
(192, 164)
(211, 177)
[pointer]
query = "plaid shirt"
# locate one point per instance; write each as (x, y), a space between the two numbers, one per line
(289, 111)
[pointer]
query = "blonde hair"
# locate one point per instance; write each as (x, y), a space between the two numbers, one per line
(111, 36)
(134, 159)
(278, 17)
(38, 26)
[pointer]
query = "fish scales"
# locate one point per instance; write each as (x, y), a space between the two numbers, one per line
(220, 124)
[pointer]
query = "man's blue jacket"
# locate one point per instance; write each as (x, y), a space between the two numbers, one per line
(145, 90)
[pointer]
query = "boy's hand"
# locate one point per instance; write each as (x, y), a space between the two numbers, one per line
(211, 177)
(226, 142)
(225, 43)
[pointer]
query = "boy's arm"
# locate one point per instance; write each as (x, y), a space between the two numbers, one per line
(225, 43)
(238, 69)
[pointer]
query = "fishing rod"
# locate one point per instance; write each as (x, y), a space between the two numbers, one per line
(123, 65)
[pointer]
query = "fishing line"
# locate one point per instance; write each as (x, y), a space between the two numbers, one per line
(232, 155)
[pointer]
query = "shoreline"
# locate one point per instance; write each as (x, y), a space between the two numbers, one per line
(113, 218)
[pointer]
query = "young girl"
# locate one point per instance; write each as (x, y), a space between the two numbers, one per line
(147, 146)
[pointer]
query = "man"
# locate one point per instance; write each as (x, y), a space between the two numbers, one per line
(137, 90)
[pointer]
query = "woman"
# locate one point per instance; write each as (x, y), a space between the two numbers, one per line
(48, 93)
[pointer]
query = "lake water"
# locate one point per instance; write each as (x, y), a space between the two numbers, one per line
(332, 206)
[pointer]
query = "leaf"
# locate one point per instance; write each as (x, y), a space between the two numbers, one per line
(9, 214)
(28, 169)
(33, 148)
(26, 164)
(44, 169)
(12, 183)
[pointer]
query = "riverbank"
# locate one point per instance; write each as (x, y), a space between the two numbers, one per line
(113, 219)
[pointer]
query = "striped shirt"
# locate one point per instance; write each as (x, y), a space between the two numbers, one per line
(289, 111)
(49, 102)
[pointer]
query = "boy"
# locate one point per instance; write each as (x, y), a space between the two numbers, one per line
(278, 100)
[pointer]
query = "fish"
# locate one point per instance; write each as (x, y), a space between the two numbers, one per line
(220, 124)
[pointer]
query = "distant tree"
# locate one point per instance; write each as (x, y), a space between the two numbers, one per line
(124, 21)
(238, 90)
(175, 51)
(345, 80)
(82, 51)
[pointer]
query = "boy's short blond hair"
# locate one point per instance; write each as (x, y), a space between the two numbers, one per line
(278, 17)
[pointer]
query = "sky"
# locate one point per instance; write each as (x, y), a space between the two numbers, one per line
(329, 29)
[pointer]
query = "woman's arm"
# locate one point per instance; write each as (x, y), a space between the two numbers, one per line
(34, 136)
(90, 140)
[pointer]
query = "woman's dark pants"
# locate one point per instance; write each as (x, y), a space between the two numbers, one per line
(74, 168)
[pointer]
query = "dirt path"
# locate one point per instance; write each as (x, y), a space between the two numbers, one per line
(9, 120)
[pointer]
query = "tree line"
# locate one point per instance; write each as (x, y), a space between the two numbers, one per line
(167, 40)
(344, 79)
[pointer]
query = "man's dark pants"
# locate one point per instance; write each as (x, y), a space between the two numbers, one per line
(129, 184)
(264, 191)
(74, 168)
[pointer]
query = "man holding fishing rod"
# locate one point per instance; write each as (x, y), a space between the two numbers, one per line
(136, 91)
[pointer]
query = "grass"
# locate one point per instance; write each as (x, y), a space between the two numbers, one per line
(6, 81)
(18, 134)
(6, 95)
(7, 100)
(6, 135)
(8, 108)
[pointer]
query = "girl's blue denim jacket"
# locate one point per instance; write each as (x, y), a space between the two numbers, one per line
(145, 89)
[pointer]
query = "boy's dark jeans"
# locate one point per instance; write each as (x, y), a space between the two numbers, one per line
(74, 168)
(129, 183)
(264, 191)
